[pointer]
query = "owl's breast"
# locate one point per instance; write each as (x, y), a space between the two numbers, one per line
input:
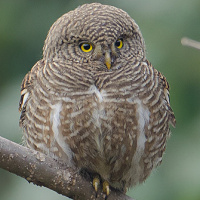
(106, 132)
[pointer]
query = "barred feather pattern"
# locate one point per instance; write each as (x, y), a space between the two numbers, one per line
(111, 122)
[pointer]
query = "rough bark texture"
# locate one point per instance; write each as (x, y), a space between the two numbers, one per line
(44, 171)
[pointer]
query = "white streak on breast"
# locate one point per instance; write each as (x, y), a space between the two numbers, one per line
(143, 116)
(143, 119)
(98, 113)
(55, 120)
(94, 89)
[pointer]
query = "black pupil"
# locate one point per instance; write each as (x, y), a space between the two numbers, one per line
(86, 46)
(117, 43)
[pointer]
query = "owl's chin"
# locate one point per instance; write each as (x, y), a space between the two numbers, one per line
(97, 66)
(100, 67)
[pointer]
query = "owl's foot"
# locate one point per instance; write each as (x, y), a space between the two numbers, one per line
(106, 188)
(95, 183)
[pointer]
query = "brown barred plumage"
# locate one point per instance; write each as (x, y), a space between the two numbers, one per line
(111, 122)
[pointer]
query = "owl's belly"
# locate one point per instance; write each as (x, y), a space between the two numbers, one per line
(108, 137)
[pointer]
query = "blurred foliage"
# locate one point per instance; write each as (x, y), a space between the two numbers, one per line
(23, 28)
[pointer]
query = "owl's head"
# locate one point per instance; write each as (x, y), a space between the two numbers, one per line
(96, 34)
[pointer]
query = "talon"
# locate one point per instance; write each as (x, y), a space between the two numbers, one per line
(96, 183)
(106, 188)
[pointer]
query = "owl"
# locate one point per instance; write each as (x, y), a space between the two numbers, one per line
(95, 101)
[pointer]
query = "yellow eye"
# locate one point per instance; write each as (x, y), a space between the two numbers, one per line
(86, 47)
(119, 43)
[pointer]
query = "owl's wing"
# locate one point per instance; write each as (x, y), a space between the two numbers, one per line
(26, 86)
(165, 87)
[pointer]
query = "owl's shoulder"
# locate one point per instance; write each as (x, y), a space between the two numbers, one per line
(28, 83)
(161, 78)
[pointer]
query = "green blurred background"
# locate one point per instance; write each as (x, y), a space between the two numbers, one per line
(23, 28)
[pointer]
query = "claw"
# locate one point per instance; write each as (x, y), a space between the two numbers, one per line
(106, 188)
(96, 183)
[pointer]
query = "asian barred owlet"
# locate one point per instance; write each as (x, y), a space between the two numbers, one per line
(95, 101)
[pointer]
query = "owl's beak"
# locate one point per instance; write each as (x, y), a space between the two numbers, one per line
(108, 60)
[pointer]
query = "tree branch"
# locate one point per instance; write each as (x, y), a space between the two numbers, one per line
(44, 171)
(190, 43)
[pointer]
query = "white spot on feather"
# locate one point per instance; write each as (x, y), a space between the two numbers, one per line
(23, 91)
(166, 93)
(25, 97)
